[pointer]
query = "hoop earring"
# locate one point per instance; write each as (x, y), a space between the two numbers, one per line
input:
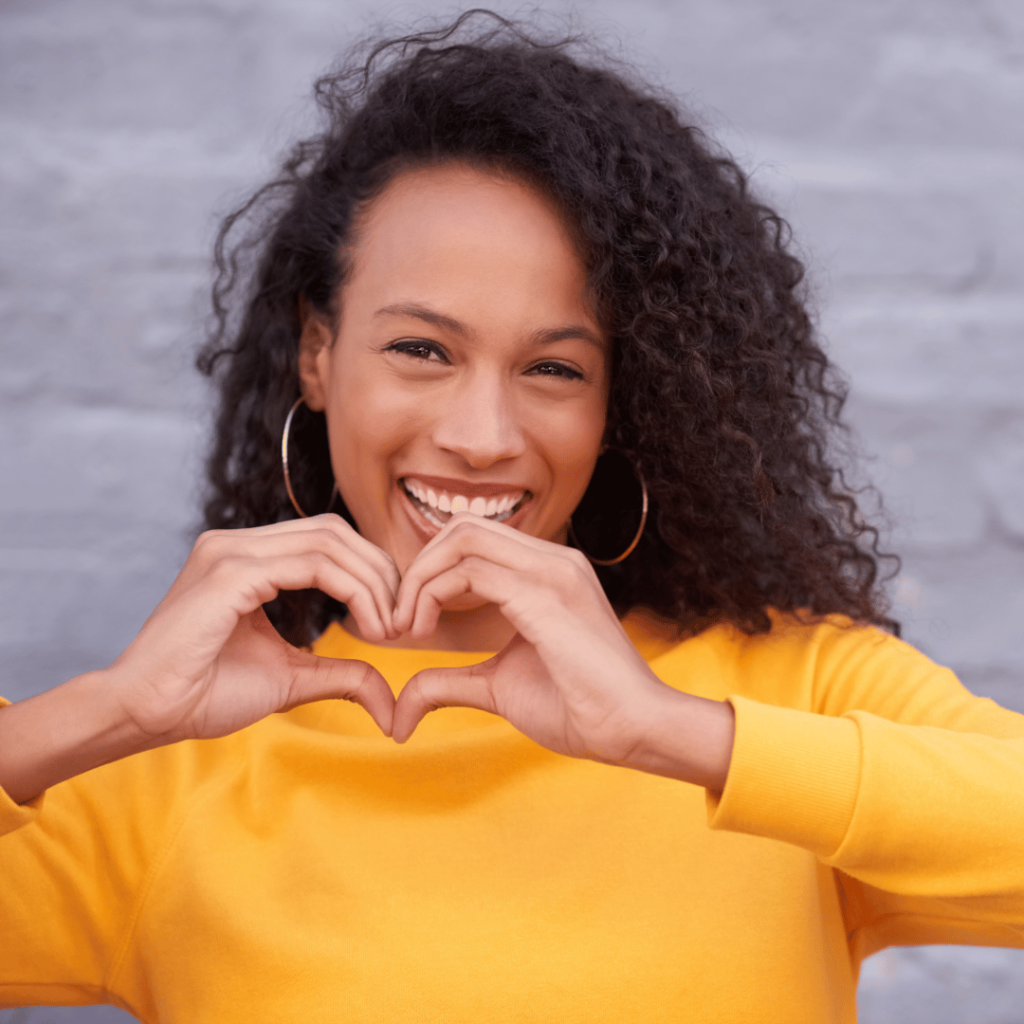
(636, 538)
(284, 463)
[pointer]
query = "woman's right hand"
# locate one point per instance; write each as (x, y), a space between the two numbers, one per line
(207, 662)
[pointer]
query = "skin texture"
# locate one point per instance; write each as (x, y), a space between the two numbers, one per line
(485, 399)
(492, 375)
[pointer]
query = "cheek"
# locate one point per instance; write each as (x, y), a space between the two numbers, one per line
(574, 444)
(367, 430)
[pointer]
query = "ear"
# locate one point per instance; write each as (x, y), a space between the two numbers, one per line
(315, 342)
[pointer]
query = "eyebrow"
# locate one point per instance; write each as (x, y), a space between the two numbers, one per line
(545, 336)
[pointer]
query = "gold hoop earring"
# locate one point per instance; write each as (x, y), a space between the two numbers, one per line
(636, 537)
(284, 463)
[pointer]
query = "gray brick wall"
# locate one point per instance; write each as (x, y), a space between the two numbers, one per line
(889, 131)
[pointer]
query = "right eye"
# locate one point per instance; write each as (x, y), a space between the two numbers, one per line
(426, 351)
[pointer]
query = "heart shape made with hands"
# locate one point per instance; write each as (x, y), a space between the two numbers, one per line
(208, 661)
(569, 677)
(562, 679)
(514, 684)
(530, 581)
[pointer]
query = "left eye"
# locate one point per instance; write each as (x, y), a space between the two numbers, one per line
(556, 370)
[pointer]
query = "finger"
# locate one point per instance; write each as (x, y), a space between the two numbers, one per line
(342, 545)
(470, 535)
(358, 556)
(247, 583)
(463, 523)
(376, 556)
(558, 568)
(504, 587)
(327, 520)
(318, 678)
(300, 527)
(466, 687)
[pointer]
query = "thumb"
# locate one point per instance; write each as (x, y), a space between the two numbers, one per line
(315, 678)
(464, 687)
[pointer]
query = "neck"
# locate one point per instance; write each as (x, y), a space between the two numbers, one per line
(478, 629)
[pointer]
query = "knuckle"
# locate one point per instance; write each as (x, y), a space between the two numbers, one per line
(579, 559)
(360, 679)
(335, 525)
(574, 576)
(428, 690)
(327, 540)
(465, 523)
(318, 562)
(227, 570)
(580, 568)
(360, 593)
(206, 544)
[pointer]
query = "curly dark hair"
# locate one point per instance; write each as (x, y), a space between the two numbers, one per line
(720, 394)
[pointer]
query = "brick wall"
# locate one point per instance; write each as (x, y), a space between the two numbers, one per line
(889, 131)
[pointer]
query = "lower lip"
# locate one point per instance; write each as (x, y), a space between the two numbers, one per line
(427, 531)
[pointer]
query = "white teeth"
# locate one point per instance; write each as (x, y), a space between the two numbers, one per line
(497, 509)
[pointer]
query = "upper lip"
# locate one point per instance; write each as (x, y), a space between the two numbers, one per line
(465, 487)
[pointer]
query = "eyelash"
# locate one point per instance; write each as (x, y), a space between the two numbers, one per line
(410, 348)
(563, 371)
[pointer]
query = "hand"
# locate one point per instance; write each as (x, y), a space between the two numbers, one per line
(208, 662)
(570, 679)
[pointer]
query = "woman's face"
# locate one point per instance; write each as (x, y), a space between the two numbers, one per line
(467, 370)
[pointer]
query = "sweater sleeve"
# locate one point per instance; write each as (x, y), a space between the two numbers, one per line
(907, 785)
(74, 866)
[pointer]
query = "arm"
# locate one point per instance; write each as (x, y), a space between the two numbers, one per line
(61, 733)
(905, 783)
(688, 738)
(207, 662)
(71, 879)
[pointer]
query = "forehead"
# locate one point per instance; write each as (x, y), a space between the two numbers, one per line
(469, 239)
(460, 198)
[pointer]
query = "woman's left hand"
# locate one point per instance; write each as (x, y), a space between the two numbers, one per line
(570, 679)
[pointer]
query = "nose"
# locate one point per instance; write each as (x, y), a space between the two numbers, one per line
(478, 422)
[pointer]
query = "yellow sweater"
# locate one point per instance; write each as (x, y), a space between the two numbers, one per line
(308, 870)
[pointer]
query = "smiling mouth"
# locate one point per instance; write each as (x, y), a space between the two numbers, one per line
(438, 506)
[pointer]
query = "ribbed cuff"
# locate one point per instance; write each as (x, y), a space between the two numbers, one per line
(794, 777)
(12, 815)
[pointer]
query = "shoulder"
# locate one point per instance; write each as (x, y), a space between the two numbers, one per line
(819, 663)
(799, 635)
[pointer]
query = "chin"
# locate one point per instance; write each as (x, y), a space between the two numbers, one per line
(464, 603)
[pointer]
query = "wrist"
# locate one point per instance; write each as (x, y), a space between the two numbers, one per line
(64, 732)
(687, 738)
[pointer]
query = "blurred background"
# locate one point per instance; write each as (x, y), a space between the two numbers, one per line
(889, 132)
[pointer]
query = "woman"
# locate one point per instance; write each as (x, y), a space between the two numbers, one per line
(506, 309)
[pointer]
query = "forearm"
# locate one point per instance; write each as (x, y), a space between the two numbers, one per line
(687, 738)
(68, 730)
